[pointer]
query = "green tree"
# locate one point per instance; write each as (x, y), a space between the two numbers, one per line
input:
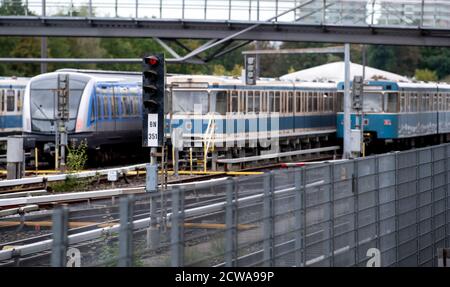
(425, 75)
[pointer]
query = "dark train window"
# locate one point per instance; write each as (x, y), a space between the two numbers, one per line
(242, 102)
(270, 102)
(276, 102)
(250, 100)
(2, 94)
(221, 102)
(257, 102)
(92, 110)
(234, 101)
(264, 102)
(313, 102)
(297, 102)
(99, 105)
(391, 103)
(19, 100)
(105, 107)
(10, 100)
(290, 102)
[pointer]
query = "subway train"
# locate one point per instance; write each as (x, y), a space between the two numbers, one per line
(12, 90)
(242, 120)
(402, 114)
(104, 110)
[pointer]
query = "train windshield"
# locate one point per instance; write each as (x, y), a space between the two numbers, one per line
(373, 102)
(43, 101)
(190, 101)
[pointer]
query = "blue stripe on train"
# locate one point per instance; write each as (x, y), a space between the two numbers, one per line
(10, 121)
(252, 125)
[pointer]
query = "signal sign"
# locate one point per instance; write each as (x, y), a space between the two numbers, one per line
(153, 89)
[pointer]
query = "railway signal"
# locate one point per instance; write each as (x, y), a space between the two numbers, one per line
(250, 69)
(153, 89)
(357, 92)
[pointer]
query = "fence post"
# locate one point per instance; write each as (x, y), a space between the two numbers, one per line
(153, 232)
(268, 219)
(396, 210)
(418, 207)
(60, 240)
(377, 203)
(331, 196)
(447, 241)
(126, 232)
(355, 209)
(299, 213)
(433, 238)
(177, 231)
(231, 228)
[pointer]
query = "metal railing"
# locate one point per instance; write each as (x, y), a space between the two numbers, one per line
(422, 13)
(384, 210)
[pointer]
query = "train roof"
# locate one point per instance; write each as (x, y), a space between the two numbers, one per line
(98, 75)
(13, 81)
(225, 81)
(417, 85)
(335, 72)
(443, 87)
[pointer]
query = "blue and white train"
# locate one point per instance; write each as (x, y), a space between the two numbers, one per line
(290, 111)
(104, 110)
(11, 98)
(406, 113)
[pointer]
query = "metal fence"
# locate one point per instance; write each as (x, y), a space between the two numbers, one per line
(385, 210)
(424, 13)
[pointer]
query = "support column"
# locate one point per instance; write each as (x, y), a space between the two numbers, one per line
(347, 100)
(44, 53)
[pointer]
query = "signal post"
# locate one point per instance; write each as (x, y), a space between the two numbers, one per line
(153, 89)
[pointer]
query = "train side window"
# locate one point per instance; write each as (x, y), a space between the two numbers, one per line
(250, 101)
(320, 101)
(105, 107)
(2, 94)
(297, 102)
(270, 100)
(10, 100)
(391, 103)
(242, 101)
(448, 102)
(290, 102)
(19, 100)
(113, 106)
(257, 103)
(92, 101)
(264, 102)
(402, 103)
(277, 100)
(234, 102)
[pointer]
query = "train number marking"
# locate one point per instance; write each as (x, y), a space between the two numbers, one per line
(74, 256)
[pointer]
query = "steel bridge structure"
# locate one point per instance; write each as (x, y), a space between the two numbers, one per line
(397, 22)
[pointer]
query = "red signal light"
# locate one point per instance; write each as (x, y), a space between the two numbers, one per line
(152, 60)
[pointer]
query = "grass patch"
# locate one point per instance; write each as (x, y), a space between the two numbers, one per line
(70, 184)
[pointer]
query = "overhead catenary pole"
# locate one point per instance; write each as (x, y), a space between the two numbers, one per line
(347, 152)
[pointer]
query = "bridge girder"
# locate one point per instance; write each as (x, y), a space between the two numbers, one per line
(193, 29)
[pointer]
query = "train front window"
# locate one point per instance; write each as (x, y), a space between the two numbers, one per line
(190, 102)
(373, 103)
(43, 98)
